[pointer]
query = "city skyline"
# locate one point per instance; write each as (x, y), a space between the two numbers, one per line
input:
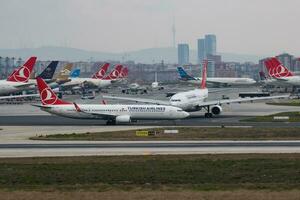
(253, 27)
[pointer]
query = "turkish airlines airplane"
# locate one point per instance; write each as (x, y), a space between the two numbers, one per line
(18, 80)
(97, 79)
(196, 100)
(217, 81)
(124, 73)
(112, 113)
(280, 74)
(47, 75)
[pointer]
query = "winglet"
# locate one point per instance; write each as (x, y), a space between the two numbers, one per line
(48, 97)
(77, 107)
(22, 74)
(204, 74)
(262, 75)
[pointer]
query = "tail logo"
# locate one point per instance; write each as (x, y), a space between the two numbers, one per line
(115, 74)
(65, 72)
(100, 73)
(48, 97)
(279, 71)
(22, 75)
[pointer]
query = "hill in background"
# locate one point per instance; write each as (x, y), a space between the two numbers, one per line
(151, 55)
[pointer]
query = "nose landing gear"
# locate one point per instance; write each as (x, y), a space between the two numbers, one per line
(208, 114)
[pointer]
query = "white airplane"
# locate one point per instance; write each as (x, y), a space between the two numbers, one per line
(54, 82)
(18, 80)
(217, 81)
(195, 100)
(112, 113)
(156, 84)
(280, 74)
(98, 80)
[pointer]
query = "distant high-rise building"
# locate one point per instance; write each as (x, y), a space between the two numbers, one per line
(201, 50)
(183, 54)
(206, 47)
(216, 58)
(210, 44)
(211, 68)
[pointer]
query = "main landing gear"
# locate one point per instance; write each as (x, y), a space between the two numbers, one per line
(208, 114)
(111, 122)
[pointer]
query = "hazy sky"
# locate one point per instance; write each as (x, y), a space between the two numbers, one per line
(242, 26)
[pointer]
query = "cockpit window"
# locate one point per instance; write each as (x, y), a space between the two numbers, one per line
(179, 110)
(175, 100)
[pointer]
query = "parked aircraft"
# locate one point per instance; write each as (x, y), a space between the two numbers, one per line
(102, 71)
(112, 113)
(18, 80)
(196, 100)
(97, 79)
(156, 84)
(280, 74)
(48, 72)
(216, 81)
(75, 73)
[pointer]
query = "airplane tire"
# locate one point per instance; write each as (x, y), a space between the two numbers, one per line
(111, 122)
(208, 115)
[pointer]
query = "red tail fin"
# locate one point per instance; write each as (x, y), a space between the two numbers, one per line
(124, 72)
(22, 74)
(102, 71)
(276, 69)
(204, 74)
(48, 97)
(115, 74)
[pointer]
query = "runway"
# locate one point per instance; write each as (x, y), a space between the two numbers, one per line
(109, 148)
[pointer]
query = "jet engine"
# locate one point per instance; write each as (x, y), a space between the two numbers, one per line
(123, 119)
(216, 110)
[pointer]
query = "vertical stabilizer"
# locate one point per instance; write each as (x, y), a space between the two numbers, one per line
(22, 74)
(48, 97)
(204, 74)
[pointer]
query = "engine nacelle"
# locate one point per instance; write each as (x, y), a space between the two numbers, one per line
(123, 119)
(216, 110)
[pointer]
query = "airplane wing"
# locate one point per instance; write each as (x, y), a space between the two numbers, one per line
(18, 96)
(169, 94)
(240, 100)
(25, 86)
(281, 79)
(142, 100)
(202, 104)
(219, 90)
(40, 106)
